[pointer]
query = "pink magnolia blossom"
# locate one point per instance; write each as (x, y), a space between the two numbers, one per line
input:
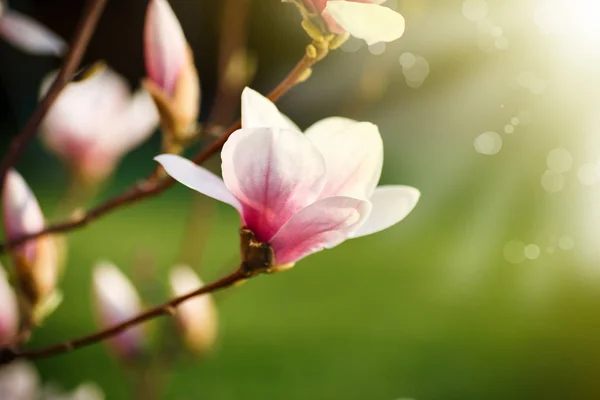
(36, 261)
(173, 80)
(9, 312)
(94, 122)
(27, 34)
(197, 317)
(364, 19)
(298, 192)
(116, 300)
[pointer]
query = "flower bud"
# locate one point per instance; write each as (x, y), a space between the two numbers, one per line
(116, 300)
(197, 317)
(9, 311)
(172, 76)
(95, 122)
(36, 261)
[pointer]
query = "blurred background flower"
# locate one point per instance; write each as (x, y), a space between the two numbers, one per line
(490, 289)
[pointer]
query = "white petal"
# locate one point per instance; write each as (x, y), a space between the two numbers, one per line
(197, 178)
(260, 112)
(29, 35)
(19, 380)
(353, 153)
(164, 45)
(371, 22)
(274, 173)
(135, 125)
(84, 112)
(391, 204)
(324, 224)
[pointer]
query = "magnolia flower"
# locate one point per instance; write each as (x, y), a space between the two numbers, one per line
(364, 19)
(197, 317)
(9, 312)
(27, 34)
(116, 300)
(20, 381)
(173, 80)
(298, 192)
(94, 122)
(36, 261)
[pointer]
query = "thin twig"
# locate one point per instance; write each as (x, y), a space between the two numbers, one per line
(8, 355)
(152, 187)
(83, 34)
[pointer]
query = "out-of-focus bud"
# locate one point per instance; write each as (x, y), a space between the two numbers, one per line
(95, 121)
(172, 77)
(116, 300)
(29, 35)
(18, 381)
(197, 317)
(36, 261)
(9, 311)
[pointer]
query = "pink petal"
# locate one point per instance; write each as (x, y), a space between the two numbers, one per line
(353, 153)
(83, 113)
(197, 178)
(22, 213)
(274, 173)
(391, 204)
(9, 315)
(260, 112)
(323, 224)
(165, 45)
(116, 300)
(29, 35)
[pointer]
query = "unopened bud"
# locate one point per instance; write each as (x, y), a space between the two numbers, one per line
(36, 261)
(197, 317)
(116, 300)
(172, 76)
(9, 312)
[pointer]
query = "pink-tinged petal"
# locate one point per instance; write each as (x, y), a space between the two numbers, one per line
(371, 22)
(164, 45)
(274, 173)
(324, 224)
(9, 312)
(83, 113)
(197, 178)
(29, 35)
(391, 204)
(116, 300)
(260, 112)
(22, 214)
(197, 317)
(353, 153)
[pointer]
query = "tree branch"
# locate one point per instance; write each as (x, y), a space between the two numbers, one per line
(83, 34)
(151, 187)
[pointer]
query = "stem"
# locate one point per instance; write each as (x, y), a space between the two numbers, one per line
(151, 187)
(8, 355)
(83, 34)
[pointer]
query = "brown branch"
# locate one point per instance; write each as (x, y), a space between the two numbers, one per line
(8, 355)
(151, 186)
(83, 34)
